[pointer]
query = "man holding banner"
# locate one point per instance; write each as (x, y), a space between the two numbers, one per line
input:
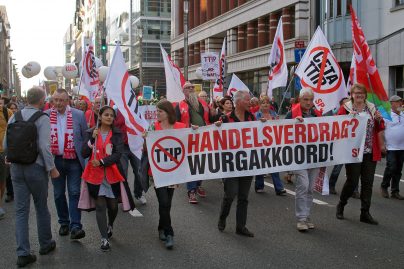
(304, 178)
(193, 111)
(239, 186)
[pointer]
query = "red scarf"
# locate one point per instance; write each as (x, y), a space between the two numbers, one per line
(95, 175)
(69, 151)
(297, 111)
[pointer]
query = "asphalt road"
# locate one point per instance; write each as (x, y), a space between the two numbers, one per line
(199, 244)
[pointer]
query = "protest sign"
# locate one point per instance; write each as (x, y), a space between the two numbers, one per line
(149, 113)
(254, 148)
(210, 65)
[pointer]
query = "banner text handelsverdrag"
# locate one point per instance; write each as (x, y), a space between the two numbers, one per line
(241, 149)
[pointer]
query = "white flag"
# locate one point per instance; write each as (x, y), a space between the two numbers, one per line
(118, 89)
(218, 88)
(320, 71)
(278, 70)
(90, 80)
(174, 79)
(352, 73)
(236, 85)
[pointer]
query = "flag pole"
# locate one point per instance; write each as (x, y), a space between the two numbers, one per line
(287, 88)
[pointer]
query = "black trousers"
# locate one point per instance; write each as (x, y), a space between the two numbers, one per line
(394, 165)
(239, 186)
(165, 197)
(366, 172)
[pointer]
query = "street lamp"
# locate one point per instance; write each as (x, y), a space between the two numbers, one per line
(186, 10)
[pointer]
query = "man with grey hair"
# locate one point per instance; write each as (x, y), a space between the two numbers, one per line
(239, 186)
(32, 179)
(304, 178)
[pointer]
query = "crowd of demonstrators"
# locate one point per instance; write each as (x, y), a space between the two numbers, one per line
(304, 178)
(374, 146)
(265, 113)
(193, 112)
(68, 128)
(68, 137)
(394, 140)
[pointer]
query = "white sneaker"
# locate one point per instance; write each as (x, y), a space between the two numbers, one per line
(142, 200)
(135, 213)
(302, 226)
(2, 213)
(105, 246)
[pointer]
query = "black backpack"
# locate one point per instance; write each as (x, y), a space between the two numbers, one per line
(22, 137)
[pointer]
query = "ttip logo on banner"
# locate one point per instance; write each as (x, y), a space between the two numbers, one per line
(322, 74)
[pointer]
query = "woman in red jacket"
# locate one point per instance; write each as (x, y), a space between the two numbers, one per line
(374, 144)
(102, 173)
(166, 119)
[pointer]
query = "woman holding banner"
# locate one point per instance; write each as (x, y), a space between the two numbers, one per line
(103, 173)
(239, 186)
(374, 145)
(266, 113)
(166, 120)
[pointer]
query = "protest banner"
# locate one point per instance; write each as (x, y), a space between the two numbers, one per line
(210, 65)
(254, 148)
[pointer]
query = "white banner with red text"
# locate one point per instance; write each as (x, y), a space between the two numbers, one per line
(254, 148)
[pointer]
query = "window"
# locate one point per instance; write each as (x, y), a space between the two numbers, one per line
(339, 8)
(348, 4)
(400, 77)
(331, 8)
(399, 2)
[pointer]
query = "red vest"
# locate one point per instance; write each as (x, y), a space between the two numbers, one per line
(95, 175)
(177, 125)
(184, 110)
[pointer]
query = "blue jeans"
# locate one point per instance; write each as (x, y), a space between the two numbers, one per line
(127, 157)
(394, 165)
(259, 182)
(70, 175)
(30, 180)
(193, 185)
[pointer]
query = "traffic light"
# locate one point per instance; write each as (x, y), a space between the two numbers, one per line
(103, 44)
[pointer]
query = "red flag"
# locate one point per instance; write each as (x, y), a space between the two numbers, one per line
(365, 66)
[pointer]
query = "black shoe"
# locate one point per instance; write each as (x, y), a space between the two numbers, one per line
(245, 232)
(51, 247)
(332, 190)
(162, 235)
(105, 246)
(281, 193)
(340, 211)
(9, 198)
(384, 192)
(64, 230)
(367, 218)
(23, 261)
(396, 195)
(77, 233)
(221, 224)
(169, 242)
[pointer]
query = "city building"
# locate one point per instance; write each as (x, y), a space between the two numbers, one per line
(141, 39)
(383, 25)
(249, 26)
(5, 57)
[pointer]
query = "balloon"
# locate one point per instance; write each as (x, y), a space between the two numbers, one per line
(50, 73)
(102, 72)
(31, 69)
(98, 63)
(70, 71)
(134, 82)
(198, 73)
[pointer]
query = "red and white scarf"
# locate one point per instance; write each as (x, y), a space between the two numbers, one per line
(69, 151)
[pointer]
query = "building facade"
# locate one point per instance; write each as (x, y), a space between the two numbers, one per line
(141, 26)
(249, 26)
(383, 25)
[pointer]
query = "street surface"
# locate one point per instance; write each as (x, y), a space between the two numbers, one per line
(198, 243)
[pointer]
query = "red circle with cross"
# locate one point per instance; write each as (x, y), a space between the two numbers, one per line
(158, 144)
